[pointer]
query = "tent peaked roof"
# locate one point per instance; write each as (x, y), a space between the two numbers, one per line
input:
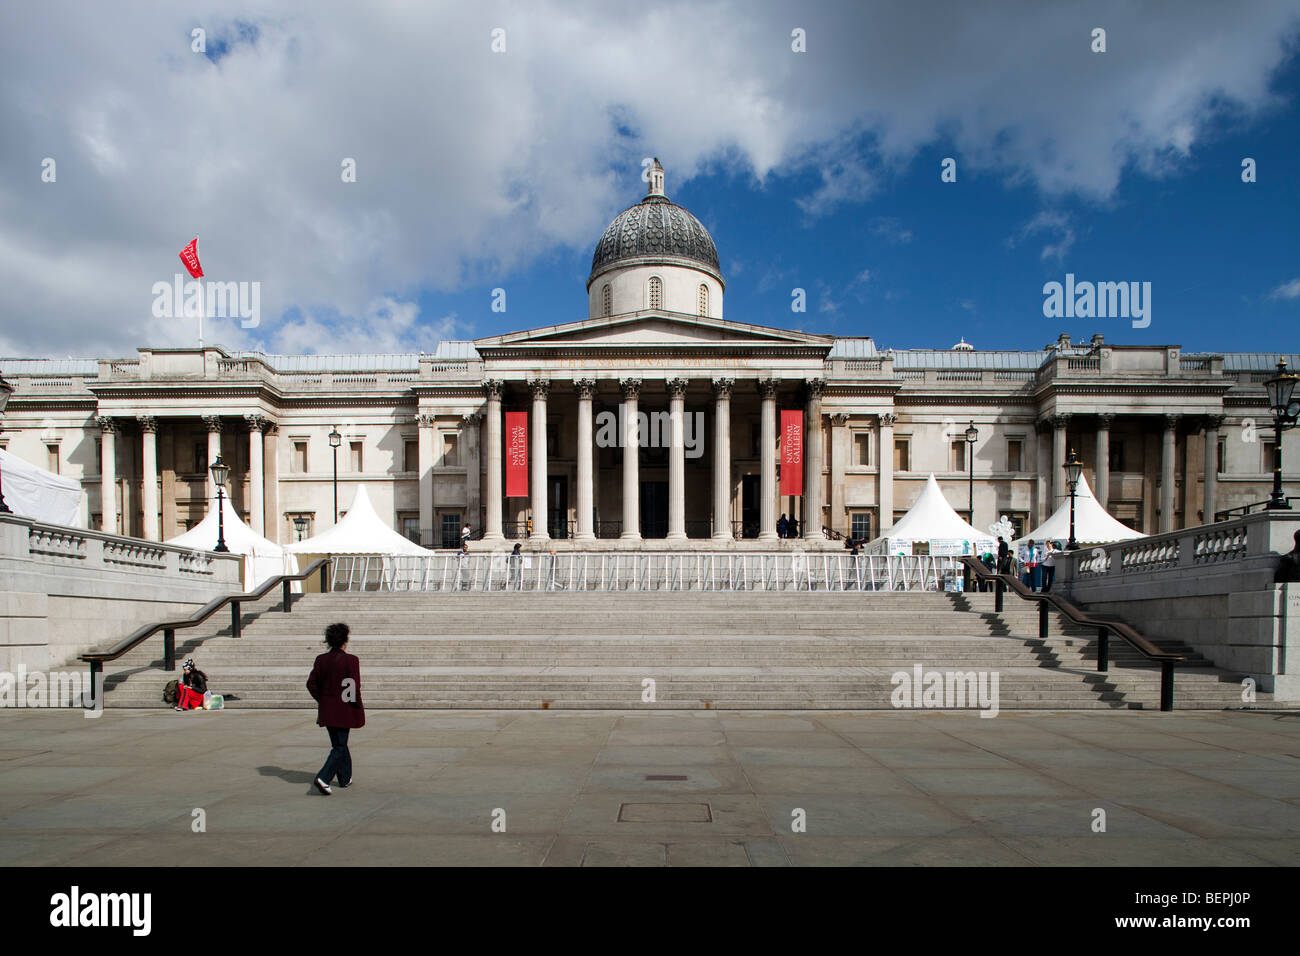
(933, 518)
(239, 537)
(1092, 523)
(33, 492)
(361, 531)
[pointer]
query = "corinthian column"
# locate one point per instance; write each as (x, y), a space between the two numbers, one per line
(885, 493)
(586, 389)
(812, 492)
(1167, 473)
(631, 460)
(108, 474)
(492, 441)
(257, 424)
(767, 460)
(149, 480)
(1102, 491)
(213, 423)
(677, 459)
(1212, 423)
(541, 388)
(722, 458)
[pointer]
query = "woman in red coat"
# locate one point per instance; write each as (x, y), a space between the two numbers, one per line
(335, 683)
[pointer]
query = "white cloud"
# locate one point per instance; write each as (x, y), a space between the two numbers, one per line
(1287, 290)
(473, 165)
(1048, 221)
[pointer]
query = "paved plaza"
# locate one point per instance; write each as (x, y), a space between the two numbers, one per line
(653, 789)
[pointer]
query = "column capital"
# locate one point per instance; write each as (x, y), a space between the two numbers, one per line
(257, 423)
(540, 387)
(631, 387)
(148, 424)
(1214, 422)
(470, 419)
(492, 388)
(814, 388)
(1104, 419)
(1171, 421)
(107, 425)
(767, 387)
(1060, 421)
(213, 423)
(888, 420)
(426, 420)
(840, 419)
(677, 387)
(722, 387)
(585, 387)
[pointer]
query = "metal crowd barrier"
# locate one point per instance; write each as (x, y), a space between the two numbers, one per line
(646, 571)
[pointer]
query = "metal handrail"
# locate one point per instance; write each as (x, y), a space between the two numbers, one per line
(1243, 510)
(97, 659)
(1105, 626)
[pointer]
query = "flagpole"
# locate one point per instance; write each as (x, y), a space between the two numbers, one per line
(202, 308)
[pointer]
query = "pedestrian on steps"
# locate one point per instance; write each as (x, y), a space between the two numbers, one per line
(335, 683)
(193, 685)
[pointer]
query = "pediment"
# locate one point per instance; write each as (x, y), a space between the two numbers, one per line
(652, 329)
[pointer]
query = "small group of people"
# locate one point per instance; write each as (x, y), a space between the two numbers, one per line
(1037, 564)
(787, 527)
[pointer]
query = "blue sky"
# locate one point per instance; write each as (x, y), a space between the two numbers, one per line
(816, 169)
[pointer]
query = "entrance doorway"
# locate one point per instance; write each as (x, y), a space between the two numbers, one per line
(750, 510)
(557, 505)
(654, 509)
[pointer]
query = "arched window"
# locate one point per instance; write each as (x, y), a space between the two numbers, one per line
(704, 299)
(607, 300)
(656, 292)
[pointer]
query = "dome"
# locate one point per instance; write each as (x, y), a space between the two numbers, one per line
(655, 228)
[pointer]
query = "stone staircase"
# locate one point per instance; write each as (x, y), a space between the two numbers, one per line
(719, 650)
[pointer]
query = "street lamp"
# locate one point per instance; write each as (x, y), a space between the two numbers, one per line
(220, 472)
(972, 436)
(335, 440)
(5, 391)
(1073, 469)
(1281, 389)
(300, 524)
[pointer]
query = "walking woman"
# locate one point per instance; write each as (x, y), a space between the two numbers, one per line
(335, 683)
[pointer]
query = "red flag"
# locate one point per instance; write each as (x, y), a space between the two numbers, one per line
(791, 453)
(516, 454)
(190, 256)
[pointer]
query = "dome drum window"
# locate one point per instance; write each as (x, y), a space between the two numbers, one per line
(656, 293)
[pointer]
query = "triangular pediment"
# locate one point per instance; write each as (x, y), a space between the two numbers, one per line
(661, 329)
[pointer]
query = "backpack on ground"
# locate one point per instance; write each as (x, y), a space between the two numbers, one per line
(171, 692)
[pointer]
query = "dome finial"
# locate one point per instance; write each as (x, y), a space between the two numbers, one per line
(656, 179)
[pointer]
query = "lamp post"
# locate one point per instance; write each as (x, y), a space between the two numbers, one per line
(1281, 391)
(1073, 469)
(300, 523)
(5, 391)
(972, 436)
(220, 472)
(335, 440)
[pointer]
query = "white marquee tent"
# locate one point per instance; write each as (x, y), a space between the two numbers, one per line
(1092, 523)
(934, 523)
(361, 531)
(263, 558)
(42, 495)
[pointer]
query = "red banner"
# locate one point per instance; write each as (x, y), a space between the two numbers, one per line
(791, 452)
(190, 256)
(516, 454)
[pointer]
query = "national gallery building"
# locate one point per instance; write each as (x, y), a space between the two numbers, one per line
(1167, 438)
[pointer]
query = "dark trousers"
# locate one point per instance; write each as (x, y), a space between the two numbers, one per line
(340, 759)
(1049, 575)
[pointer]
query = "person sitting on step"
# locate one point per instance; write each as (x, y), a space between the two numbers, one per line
(193, 685)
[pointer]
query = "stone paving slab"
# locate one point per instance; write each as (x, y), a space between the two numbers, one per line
(606, 788)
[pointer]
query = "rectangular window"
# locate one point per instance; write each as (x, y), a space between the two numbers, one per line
(1015, 454)
(1117, 455)
(354, 450)
(294, 533)
(409, 522)
(411, 456)
(860, 526)
(1266, 445)
(862, 451)
(52, 457)
(1222, 454)
(957, 455)
(200, 458)
(451, 529)
(755, 440)
(1018, 520)
(552, 441)
(450, 453)
(902, 454)
(298, 460)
